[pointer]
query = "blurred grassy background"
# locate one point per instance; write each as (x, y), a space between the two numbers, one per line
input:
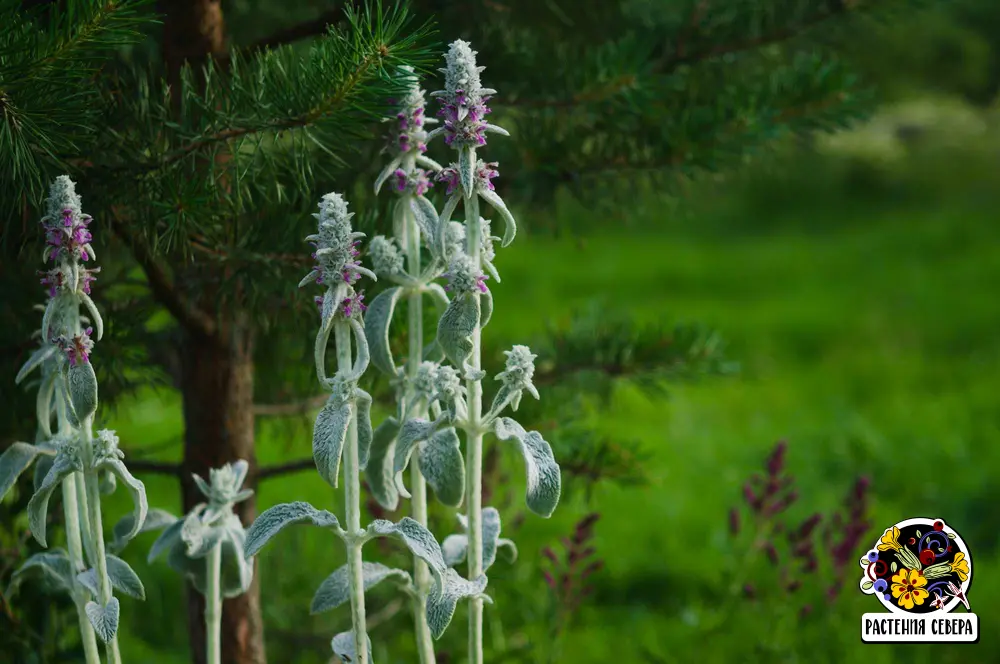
(857, 286)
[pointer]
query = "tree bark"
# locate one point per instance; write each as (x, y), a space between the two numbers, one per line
(216, 373)
(217, 387)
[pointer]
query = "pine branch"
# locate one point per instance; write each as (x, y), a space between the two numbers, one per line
(298, 466)
(304, 30)
(185, 312)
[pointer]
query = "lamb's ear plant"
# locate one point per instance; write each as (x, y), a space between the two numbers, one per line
(84, 466)
(343, 432)
(206, 546)
(421, 386)
(451, 405)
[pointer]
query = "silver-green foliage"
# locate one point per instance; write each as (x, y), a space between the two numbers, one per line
(70, 457)
(343, 437)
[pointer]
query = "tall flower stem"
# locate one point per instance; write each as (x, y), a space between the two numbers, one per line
(474, 448)
(418, 485)
(213, 606)
(75, 504)
(71, 509)
(100, 561)
(352, 499)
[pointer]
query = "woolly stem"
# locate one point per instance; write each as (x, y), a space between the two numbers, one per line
(100, 561)
(74, 499)
(71, 510)
(352, 500)
(418, 485)
(213, 606)
(474, 448)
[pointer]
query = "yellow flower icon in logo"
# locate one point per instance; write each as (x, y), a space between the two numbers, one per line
(890, 540)
(960, 566)
(908, 587)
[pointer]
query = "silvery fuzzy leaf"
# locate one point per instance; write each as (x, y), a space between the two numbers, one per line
(336, 588)
(386, 172)
(365, 434)
(438, 294)
(442, 231)
(331, 300)
(456, 326)
(107, 483)
(273, 520)
(36, 359)
(379, 472)
(53, 568)
(43, 402)
(377, 320)
(443, 467)
(486, 307)
(88, 580)
(344, 647)
(433, 352)
(81, 383)
(544, 480)
(510, 226)
(427, 162)
(135, 487)
(425, 215)
(15, 460)
(496, 129)
(167, 540)
(104, 618)
(237, 571)
(202, 485)
(156, 519)
(38, 507)
(199, 539)
(413, 432)
(441, 604)
(467, 170)
(42, 467)
(123, 579)
(455, 547)
(55, 304)
(361, 344)
(329, 435)
(95, 315)
(417, 538)
(491, 270)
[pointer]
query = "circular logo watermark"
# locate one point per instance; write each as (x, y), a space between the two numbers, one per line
(920, 570)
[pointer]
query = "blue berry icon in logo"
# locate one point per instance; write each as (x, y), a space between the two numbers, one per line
(873, 556)
(880, 586)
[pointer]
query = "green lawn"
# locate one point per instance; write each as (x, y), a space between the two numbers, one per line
(870, 345)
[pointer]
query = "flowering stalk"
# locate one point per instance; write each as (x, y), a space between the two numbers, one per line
(343, 430)
(464, 108)
(410, 181)
(84, 466)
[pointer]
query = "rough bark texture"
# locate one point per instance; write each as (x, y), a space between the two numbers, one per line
(219, 428)
(216, 373)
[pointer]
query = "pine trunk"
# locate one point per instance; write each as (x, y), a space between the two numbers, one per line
(217, 387)
(217, 373)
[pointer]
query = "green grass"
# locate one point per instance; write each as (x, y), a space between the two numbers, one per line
(869, 340)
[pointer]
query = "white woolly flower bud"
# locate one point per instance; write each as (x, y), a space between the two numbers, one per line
(105, 446)
(425, 381)
(519, 370)
(386, 257)
(225, 485)
(463, 100)
(464, 275)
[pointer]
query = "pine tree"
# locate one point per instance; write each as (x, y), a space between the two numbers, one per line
(203, 157)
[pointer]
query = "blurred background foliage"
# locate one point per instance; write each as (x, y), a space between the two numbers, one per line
(853, 278)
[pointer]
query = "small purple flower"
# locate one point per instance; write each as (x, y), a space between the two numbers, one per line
(354, 303)
(78, 350)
